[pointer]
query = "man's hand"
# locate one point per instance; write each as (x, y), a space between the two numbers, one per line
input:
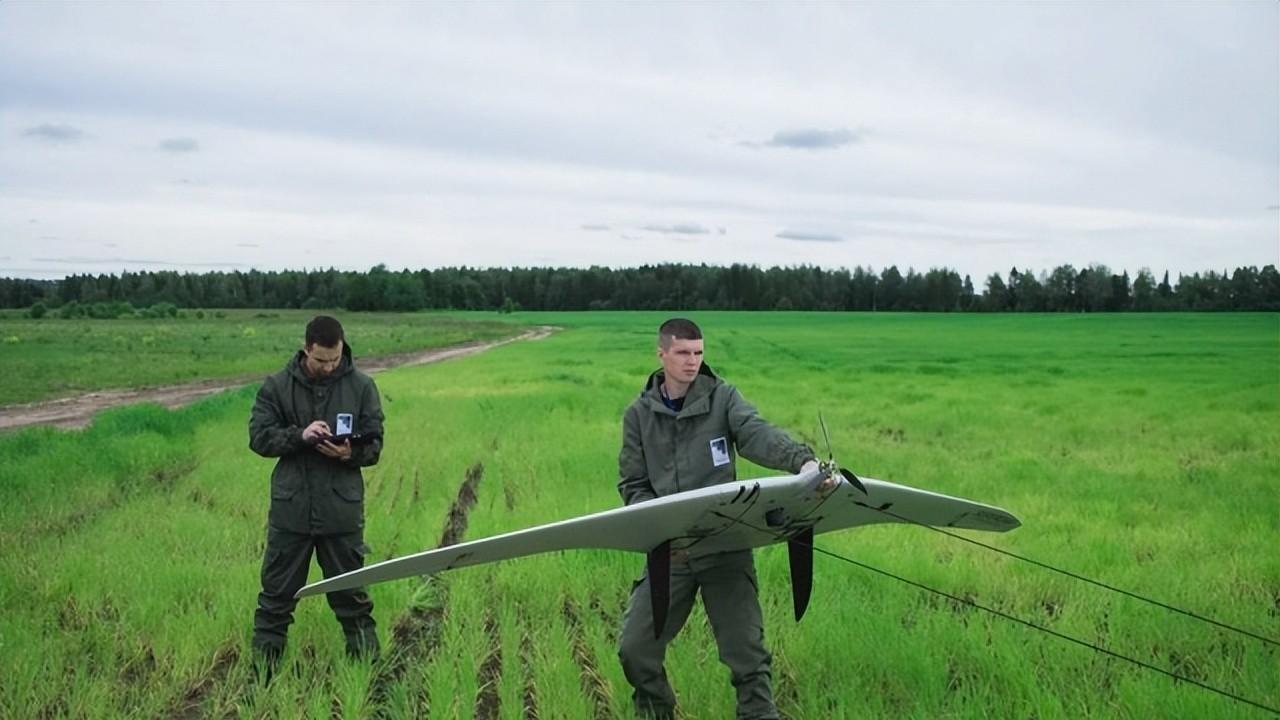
(828, 483)
(315, 431)
(334, 450)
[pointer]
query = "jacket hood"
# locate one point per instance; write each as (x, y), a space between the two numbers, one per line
(345, 366)
(695, 400)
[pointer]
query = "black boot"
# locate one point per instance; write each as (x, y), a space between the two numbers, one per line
(653, 711)
(266, 662)
(363, 645)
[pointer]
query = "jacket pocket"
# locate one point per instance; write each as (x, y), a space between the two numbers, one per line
(284, 484)
(349, 489)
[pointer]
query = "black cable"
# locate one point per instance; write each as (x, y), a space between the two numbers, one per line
(1070, 574)
(1018, 620)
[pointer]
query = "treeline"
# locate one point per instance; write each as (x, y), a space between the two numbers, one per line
(659, 287)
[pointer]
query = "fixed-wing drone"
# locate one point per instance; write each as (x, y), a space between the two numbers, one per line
(732, 516)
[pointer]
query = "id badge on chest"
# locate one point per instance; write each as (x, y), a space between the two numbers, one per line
(343, 426)
(720, 452)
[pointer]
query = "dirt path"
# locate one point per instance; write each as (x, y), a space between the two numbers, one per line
(76, 412)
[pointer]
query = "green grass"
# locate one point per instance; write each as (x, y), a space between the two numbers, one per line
(1141, 450)
(52, 357)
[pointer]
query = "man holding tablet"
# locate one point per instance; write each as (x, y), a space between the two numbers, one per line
(322, 419)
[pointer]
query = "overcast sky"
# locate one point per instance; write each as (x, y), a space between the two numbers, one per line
(975, 136)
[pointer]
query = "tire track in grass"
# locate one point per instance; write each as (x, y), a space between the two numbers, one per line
(394, 542)
(526, 668)
(593, 685)
(189, 705)
(395, 499)
(786, 696)
(786, 692)
(610, 619)
(134, 677)
(490, 673)
(158, 480)
(55, 708)
(416, 634)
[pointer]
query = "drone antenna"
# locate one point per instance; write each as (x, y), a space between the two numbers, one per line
(825, 436)
(831, 458)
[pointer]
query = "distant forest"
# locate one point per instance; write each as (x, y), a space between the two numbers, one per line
(652, 287)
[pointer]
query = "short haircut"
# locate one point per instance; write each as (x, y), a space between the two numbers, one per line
(677, 329)
(324, 331)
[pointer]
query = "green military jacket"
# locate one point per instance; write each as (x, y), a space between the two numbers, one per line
(665, 452)
(310, 492)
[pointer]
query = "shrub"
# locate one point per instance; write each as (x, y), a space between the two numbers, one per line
(166, 309)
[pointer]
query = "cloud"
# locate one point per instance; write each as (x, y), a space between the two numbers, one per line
(594, 227)
(1273, 207)
(55, 133)
(179, 145)
(808, 139)
(496, 162)
(809, 236)
(248, 245)
(678, 229)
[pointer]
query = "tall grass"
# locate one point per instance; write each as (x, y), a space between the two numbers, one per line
(1138, 449)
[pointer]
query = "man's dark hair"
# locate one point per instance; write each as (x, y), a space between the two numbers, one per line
(677, 329)
(324, 331)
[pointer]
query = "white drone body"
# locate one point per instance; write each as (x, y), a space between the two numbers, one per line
(733, 516)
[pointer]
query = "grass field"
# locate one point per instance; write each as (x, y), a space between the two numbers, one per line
(1140, 450)
(51, 357)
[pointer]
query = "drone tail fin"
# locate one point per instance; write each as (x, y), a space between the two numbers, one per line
(659, 569)
(800, 555)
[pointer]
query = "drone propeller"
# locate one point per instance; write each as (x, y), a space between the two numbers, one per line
(831, 458)
(853, 479)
